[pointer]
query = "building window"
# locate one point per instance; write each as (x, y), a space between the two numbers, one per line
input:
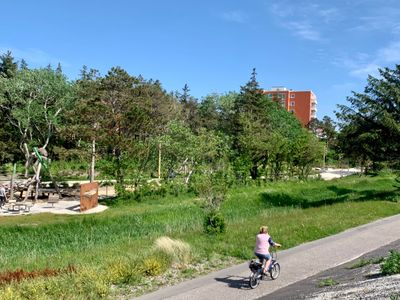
(292, 95)
(292, 103)
(291, 111)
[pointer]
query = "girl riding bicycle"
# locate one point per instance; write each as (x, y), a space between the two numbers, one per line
(263, 241)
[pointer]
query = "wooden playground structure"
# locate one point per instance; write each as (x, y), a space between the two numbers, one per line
(22, 195)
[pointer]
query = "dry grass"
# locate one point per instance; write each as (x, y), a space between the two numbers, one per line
(178, 250)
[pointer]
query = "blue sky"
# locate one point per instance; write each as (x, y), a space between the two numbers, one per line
(326, 46)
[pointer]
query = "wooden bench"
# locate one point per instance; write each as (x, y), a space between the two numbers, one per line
(89, 195)
(53, 199)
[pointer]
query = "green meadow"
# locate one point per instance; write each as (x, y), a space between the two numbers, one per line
(115, 252)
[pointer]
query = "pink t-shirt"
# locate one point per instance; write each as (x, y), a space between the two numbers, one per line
(262, 243)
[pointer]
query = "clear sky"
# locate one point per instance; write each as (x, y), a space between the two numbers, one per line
(212, 45)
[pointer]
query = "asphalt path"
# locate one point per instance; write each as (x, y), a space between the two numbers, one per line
(297, 263)
(353, 280)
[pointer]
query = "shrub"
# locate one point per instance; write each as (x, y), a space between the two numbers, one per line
(88, 281)
(214, 222)
(152, 266)
(120, 272)
(391, 264)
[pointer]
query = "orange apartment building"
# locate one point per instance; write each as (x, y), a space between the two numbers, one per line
(303, 104)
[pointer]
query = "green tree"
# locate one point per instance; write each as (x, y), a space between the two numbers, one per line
(370, 125)
(8, 67)
(189, 109)
(32, 101)
(81, 129)
(249, 120)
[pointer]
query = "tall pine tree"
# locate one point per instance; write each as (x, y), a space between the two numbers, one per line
(8, 67)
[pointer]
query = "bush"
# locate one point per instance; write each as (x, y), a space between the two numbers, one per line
(214, 223)
(152, 266)
(391, 264)
(122, 272)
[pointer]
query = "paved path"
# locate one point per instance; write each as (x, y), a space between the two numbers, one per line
(331, 173)
(232, 283)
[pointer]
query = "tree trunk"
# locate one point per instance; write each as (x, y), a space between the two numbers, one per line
(254, 172)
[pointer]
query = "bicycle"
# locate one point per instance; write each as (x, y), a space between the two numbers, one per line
(257, 268)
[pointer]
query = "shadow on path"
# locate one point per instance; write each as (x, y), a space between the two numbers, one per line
(236, 282)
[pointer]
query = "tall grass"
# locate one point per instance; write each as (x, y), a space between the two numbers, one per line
(124, 235)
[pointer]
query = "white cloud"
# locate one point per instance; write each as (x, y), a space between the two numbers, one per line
(362, 64)
(310, 18)
(234, 16)
(390, 54)
(304, 30)
(362, 71)
(376, 17)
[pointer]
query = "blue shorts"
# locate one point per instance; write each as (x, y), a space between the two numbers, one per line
(261, 257)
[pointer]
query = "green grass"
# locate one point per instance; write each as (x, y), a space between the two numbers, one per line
(327, 282)
(365, 262)
(296, 212)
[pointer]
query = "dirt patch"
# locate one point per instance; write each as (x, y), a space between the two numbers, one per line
(357, 279)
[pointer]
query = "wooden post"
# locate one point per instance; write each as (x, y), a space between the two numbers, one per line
(159, 160)
(93, 162)
(12, 182)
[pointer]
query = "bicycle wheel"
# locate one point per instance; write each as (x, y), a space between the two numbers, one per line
(275, 271)
(254, 280)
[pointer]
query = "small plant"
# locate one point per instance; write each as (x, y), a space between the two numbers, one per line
(122, 272)
(212, 188)
(364, 262)
(214, 222)
(152, 266)
(327, 282)
(395, 297)
(391, 265)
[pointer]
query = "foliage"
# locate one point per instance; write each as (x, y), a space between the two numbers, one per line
(8, 67)
(214, 222)
(153, 266)
(32, 101)
(141, 123)
(370, 129)
(391, 264)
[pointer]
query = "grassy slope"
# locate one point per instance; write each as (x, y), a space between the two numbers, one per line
(295, 212)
